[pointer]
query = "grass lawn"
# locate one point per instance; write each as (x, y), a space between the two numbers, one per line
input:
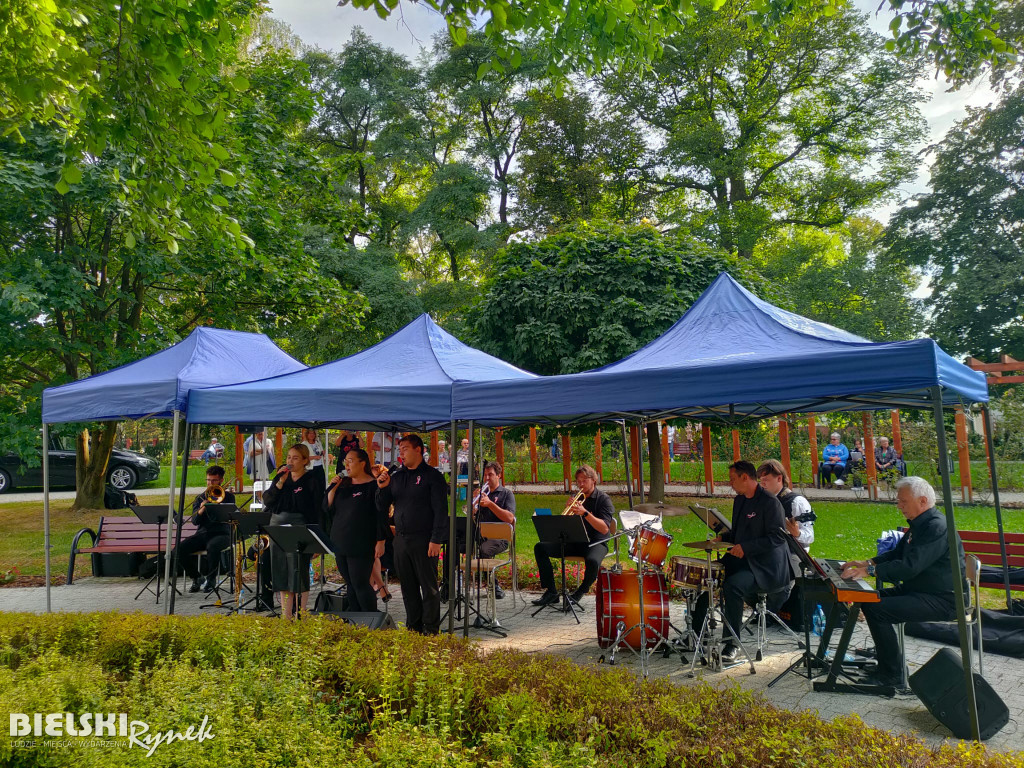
(843, 530)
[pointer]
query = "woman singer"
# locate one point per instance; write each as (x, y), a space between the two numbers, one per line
(357, 530)
(294, 499)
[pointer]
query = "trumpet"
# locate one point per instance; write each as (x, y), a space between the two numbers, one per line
(483, 492)
(577, 499)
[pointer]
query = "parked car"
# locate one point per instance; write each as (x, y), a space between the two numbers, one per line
(125, 470)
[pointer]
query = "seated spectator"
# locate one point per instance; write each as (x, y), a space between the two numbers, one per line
(833, 461)
(213, 451)
(857, 463)
(886, 459)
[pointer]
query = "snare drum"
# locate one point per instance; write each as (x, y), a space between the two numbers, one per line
(618, 602)
(690, 573)
(652, 544)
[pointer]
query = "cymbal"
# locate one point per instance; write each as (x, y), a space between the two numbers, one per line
(662, 509)
(707, 544)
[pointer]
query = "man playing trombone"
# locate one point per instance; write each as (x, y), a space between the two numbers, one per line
(211, 536)
(598, 513)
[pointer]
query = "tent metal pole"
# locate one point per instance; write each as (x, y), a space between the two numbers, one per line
(625, 456)
(954, 559)
(179, 521)
(469, 531)
(46, 507)
(170, 505)
(453, 552)
(987, 417)
(641, 435)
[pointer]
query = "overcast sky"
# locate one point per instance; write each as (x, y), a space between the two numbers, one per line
(322, 23)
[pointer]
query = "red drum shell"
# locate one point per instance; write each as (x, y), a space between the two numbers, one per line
(618, 600)
(654, 545)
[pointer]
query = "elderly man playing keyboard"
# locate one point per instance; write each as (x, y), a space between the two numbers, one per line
(920, 568)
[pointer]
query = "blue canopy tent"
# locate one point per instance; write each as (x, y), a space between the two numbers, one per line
(158, 387)
(403, 383)
(733, 357)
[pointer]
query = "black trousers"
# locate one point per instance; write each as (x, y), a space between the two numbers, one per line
(898, 606)
(417, 573)
(356, 573)
(826, 471)
(593, 555)
(741, 587)
(197, 542)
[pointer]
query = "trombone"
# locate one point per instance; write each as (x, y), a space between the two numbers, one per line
(577, 499)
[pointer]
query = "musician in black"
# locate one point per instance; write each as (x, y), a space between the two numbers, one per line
(294, 498)
(211, 536)
(418, 493)
(598, 515)
(920, 567)
(758, 561)
(357, 528)
(498, 505)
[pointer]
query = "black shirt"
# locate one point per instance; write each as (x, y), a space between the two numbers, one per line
(504, 498)
(420, 499)
(302, 496)
(357, 523)
(203, 521)
(599, 504)
(758, 523)
(921, 558)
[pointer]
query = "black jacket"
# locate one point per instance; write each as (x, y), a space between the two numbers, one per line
(203, 522)
(921, 558)
(758, 524)
(420, 499)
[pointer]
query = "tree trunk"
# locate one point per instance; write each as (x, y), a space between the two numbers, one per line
(91, 458)
(654, 460)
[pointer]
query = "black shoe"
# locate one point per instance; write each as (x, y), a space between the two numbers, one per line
(210, 585)
(196, 584)
(730, 652)
(499, 593)
(577, 596)
(443, 591)
(547, 598)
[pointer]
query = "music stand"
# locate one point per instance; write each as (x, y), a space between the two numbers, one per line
(300, 540)
(808, 658)
(226, 513)
(152, 515)
(711, 517)
(561, 530)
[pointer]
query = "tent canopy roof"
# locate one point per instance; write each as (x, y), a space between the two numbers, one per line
(733, 357)
(158, 385)
(401, 383)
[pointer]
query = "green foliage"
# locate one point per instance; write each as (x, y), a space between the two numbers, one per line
(842, 277)
(958, 37)
(966, 233)
(800, 124)
(590, 295)
(312, 692)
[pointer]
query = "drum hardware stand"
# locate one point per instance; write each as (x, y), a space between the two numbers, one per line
(711, 655)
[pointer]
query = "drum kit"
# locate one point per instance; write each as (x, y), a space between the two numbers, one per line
(633, 604)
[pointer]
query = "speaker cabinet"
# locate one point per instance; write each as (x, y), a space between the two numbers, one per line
(331, 604)
(940, 686)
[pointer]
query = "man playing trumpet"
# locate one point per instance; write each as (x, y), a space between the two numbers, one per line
(598, 513)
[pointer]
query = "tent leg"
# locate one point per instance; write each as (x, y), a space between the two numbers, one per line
(954, 559)
(641, 435)
(46, 507)
(453, 553)
(469, 530)
(995, 499)
(170, 506)
(625, 457)
(179, 521)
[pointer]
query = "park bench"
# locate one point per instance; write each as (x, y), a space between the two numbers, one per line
(985, 544)
(196, 455)
(126, 536)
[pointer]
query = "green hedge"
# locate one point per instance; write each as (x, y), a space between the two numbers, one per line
(319, 692)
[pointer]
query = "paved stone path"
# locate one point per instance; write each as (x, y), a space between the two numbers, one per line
(557, 633)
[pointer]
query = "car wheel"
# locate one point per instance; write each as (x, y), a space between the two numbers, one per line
(5, 482)
(123, 478)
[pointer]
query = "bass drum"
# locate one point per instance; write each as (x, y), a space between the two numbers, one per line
(618, 603)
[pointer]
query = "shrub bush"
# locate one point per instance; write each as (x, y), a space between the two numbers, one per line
(318, 691)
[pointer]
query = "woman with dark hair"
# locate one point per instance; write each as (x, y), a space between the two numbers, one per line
(294, 499)
(345, 441)
(799, 518)
(357, 528)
